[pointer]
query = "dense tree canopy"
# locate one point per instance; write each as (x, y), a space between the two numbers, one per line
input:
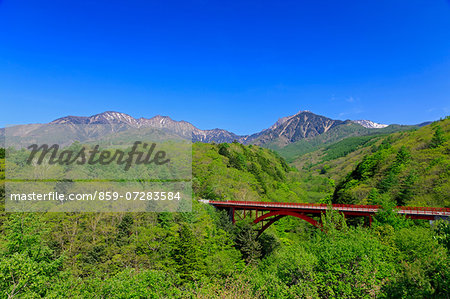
(201, 254)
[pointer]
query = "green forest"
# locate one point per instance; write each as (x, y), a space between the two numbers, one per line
(201, 254)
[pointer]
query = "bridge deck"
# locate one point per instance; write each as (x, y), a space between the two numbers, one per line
(413, 212)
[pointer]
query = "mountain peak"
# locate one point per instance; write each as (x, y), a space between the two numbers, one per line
(303, 124)
(107, 117)
(113, 114)
(282, 120)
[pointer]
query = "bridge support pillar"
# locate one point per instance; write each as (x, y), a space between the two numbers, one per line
(231, 215)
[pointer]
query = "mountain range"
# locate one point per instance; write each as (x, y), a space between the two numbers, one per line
(289, 130)
(286, 130)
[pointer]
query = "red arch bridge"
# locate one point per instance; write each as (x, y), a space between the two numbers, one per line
(267, 213)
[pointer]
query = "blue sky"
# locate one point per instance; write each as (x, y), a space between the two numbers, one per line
(237, 65)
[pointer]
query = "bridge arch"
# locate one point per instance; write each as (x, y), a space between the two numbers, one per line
(277, 215)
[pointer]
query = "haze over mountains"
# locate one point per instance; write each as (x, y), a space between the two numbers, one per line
(289, 130)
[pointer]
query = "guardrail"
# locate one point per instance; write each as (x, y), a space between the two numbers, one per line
(339, 207)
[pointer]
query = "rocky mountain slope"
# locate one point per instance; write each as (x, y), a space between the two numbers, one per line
(181, 128)
(287, 130)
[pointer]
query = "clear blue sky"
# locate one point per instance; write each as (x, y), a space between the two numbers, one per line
(237, 65)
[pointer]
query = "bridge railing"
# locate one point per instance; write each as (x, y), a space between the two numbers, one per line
(346, 207)
(426, 210)
(292, 204)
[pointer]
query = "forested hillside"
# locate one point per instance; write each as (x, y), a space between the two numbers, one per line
(297, 150)
(202, 255)
(237, 172)
(412, 168)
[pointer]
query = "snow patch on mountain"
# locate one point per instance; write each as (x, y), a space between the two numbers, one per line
(369, 124)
